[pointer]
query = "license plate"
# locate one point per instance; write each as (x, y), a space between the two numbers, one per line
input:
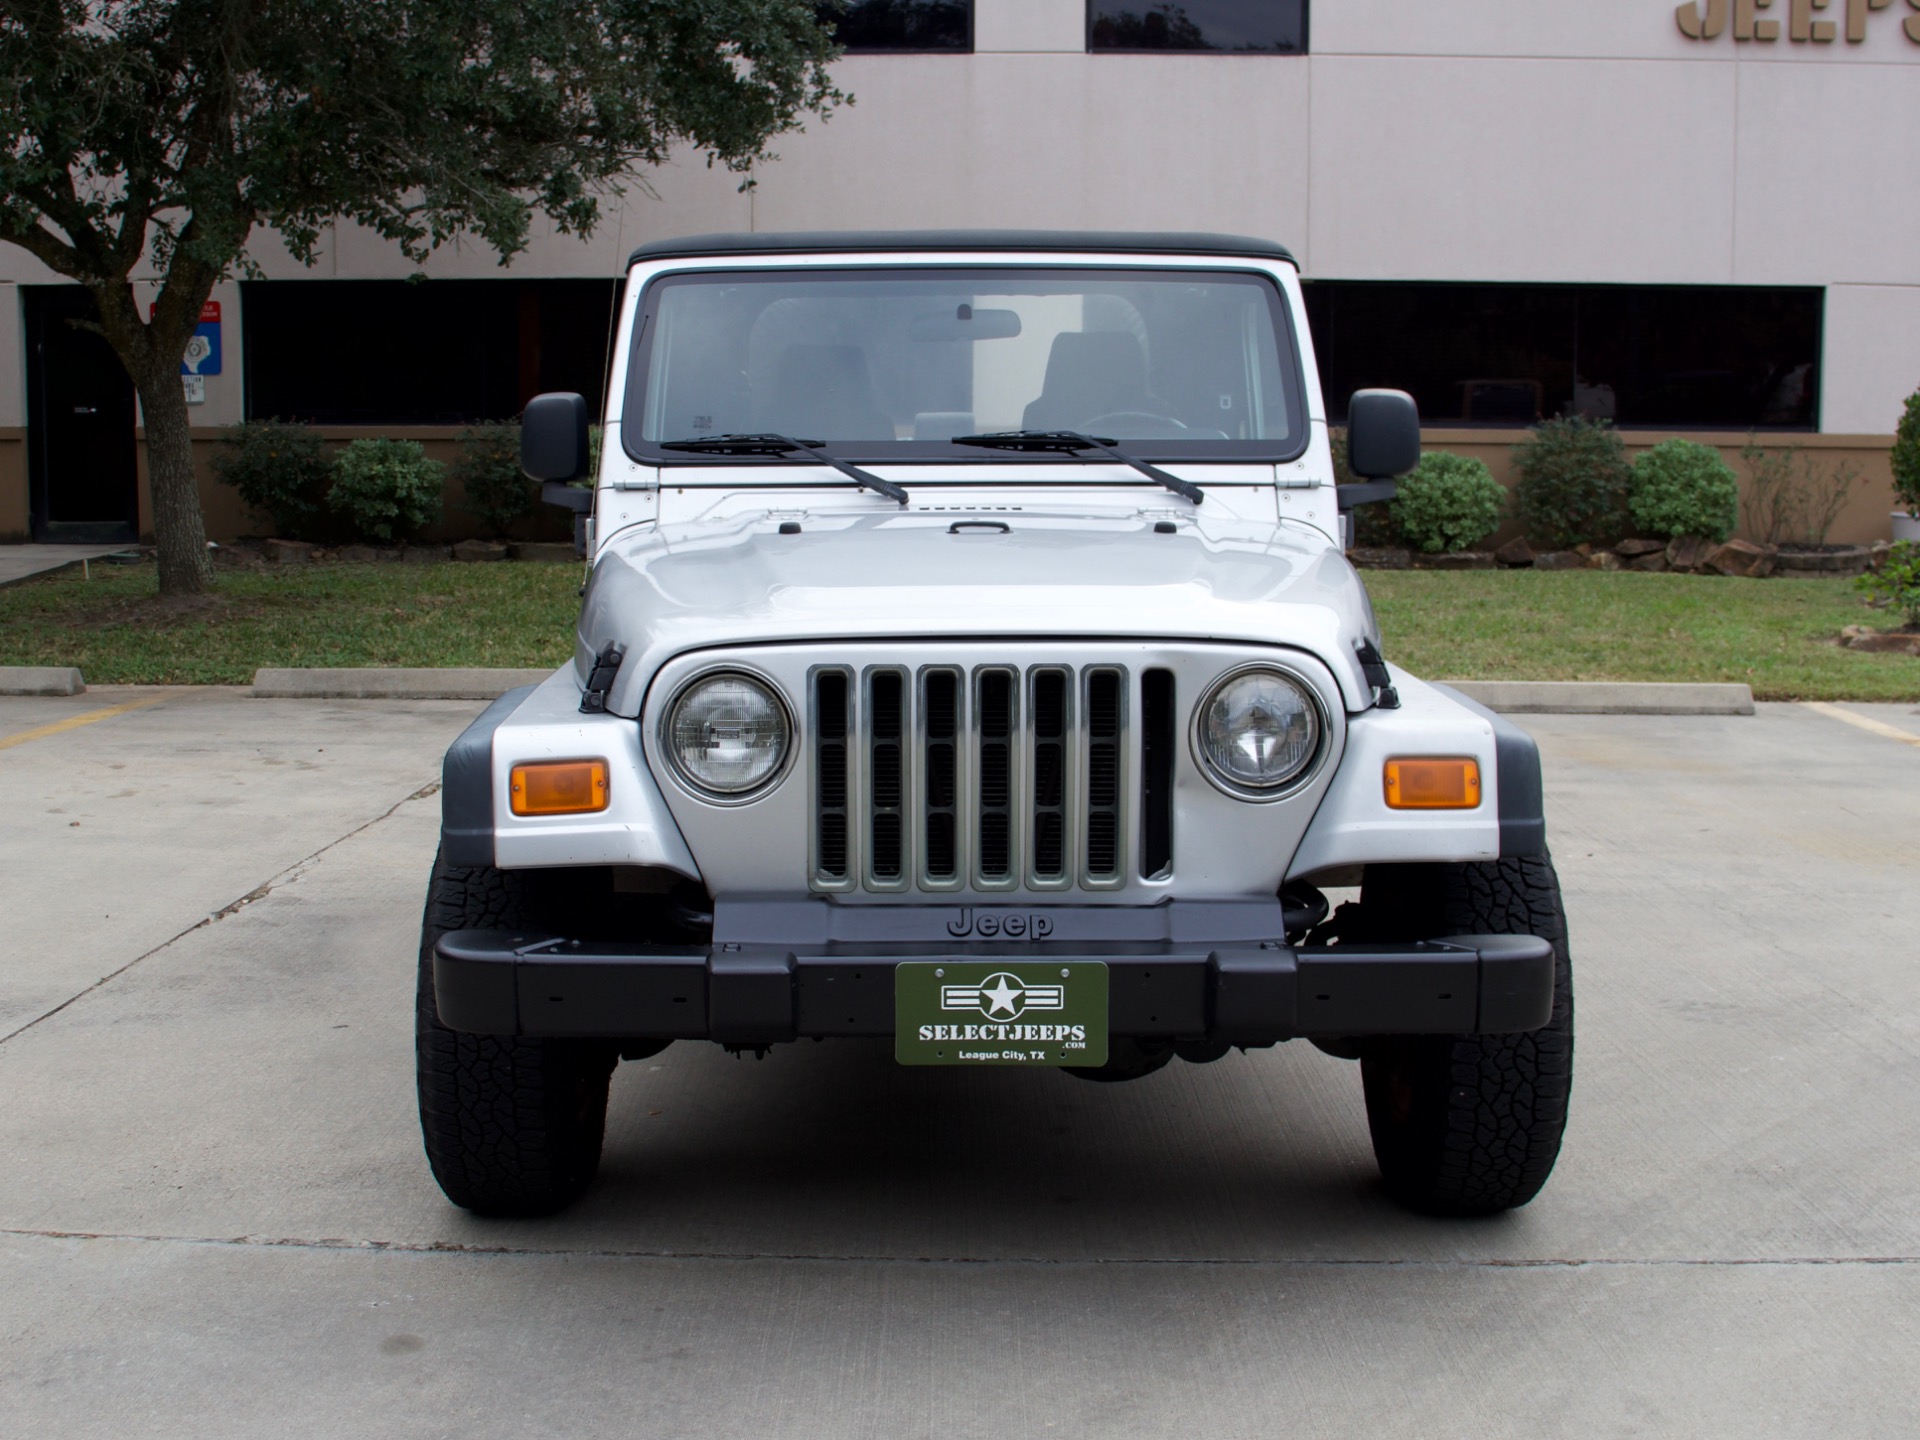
(998, 1013)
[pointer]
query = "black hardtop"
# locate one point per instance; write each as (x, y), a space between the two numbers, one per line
(816, 242)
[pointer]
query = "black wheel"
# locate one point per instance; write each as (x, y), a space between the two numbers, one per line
(1470, 1124)
(512, 1125)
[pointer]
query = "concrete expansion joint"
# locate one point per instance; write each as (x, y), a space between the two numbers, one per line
(1011, 1262)
(233, 907)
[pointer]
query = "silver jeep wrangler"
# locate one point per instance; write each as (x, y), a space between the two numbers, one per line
(971, 661)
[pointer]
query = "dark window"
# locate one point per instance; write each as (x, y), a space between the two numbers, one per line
(1647, 356)
(900, 25)
(431, 352)
(1241, 27)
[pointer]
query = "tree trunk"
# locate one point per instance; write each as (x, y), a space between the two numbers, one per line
(179, 530)
(151, 354)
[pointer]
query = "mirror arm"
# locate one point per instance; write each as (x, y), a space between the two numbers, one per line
(1372, 492)
(567, 496)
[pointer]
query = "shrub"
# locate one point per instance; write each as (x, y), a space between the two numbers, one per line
(498, 492)
(1448, 502)
(1682, 488)
(280, 470)
(1573, 482)
(1788, 496)
(387, 489)
(1906, 457)
(1898, 583)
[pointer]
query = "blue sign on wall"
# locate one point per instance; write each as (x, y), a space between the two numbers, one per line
(203, 349)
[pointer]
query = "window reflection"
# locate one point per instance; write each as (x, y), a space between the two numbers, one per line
(1252, 27)
(901, 25)
(1704, 357)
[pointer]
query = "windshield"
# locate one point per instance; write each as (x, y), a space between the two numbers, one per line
(895, 363)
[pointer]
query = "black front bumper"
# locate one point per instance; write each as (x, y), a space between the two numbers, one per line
(779, 970)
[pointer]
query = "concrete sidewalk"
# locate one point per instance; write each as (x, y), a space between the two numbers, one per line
(216, 1221)
(22, 562)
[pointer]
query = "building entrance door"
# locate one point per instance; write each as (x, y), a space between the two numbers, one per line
(80, 444)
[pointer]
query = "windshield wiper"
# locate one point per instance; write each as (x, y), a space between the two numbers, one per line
(787, 445)
(1071, 442)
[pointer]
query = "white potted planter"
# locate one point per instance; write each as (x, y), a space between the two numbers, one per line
(1905, 526)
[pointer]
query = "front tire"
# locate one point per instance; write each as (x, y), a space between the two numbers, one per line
(1470, 1124)
(512, 1125)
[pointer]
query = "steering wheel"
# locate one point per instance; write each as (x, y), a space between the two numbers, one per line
(1134, 425)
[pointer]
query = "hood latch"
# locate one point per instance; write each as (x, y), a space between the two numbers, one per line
(600, 680)
(1374, 667)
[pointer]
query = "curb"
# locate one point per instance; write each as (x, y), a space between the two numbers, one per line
(390, 684)
(40, 680)
(1605, 697)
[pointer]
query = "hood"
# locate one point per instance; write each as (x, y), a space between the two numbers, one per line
(664, 591)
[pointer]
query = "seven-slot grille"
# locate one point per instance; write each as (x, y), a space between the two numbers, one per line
(990, 778)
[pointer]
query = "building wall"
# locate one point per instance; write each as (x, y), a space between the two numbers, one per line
(1554, 141)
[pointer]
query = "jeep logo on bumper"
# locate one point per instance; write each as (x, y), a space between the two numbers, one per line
(1000, 924)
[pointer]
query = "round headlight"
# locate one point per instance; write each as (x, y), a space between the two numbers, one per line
(728, 734)
(1257, 731)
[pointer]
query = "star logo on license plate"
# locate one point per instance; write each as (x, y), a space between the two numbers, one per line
(1002, 996)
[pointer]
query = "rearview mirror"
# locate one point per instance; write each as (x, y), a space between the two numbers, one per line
(965, 323)
(553, 437)
(1383, 434)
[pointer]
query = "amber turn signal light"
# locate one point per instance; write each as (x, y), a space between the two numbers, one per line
(560, 787)
(1433, 784)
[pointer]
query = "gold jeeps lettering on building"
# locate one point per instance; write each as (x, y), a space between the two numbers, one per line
(1707, 20)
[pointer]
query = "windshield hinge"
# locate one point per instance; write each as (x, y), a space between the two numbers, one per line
(1374, 667)
(600, 680)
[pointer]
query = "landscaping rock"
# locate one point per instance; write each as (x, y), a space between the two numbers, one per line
(479, 550)
(1654, 562)
(1822, 560)
(1634, 549)
(237, 556)
(1516, 554)
(1606, 560)
(1455, 560)
(550, 552)
(356, 555)
(1689, 553)
(423, 554)
(1381, 558)
(289, 552)
(1883, 642)
(1742, 558)
(1560, 560)
(1877, 555)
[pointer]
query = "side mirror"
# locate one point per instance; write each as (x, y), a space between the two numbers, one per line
(553, 437)
(1383, 441)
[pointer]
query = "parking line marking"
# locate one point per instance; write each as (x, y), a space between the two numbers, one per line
(74, 722)
(1863, 722)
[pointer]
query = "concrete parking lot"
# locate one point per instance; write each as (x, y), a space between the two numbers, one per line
(215, 1219)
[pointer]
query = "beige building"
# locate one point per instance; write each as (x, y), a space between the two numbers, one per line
(1699, 221)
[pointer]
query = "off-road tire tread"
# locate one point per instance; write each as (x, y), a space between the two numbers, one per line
(1488, 1111)
(513, 1126)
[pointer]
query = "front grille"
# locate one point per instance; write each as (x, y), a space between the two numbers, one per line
(993, 778)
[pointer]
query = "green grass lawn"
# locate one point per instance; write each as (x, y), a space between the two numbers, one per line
(1774, 635)
(118, 631)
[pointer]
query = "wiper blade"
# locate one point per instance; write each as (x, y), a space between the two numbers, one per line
(1072, 442)
(783, 445)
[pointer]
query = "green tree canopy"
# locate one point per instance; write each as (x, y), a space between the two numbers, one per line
(166, 131)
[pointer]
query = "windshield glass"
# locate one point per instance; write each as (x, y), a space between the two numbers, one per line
(894, 363)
